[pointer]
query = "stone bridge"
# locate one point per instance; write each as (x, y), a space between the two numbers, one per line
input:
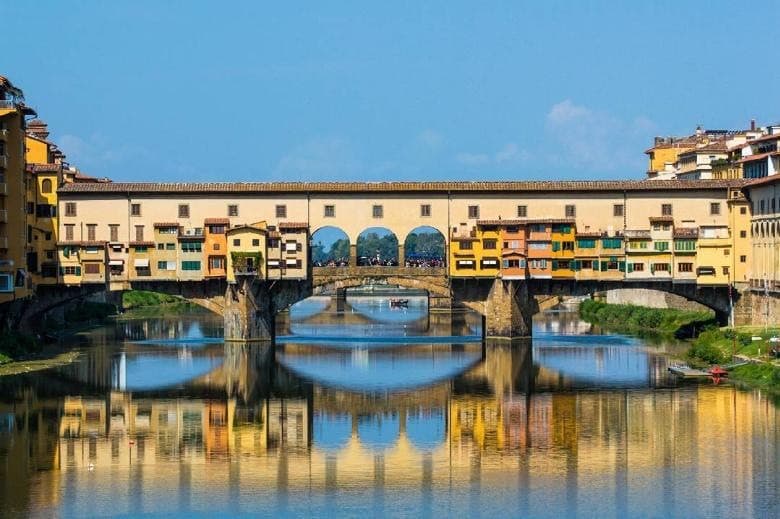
(250, 305)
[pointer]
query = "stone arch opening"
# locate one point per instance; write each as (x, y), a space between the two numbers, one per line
(330, 247)
(377, 246)
(425, 246)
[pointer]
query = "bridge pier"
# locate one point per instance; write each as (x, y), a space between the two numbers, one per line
(509, 310)
(248, 316)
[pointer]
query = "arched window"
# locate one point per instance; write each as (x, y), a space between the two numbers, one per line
(46, 186)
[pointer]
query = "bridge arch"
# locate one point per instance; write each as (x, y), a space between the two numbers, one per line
(330, 246)
(425, 246)
(377, 246)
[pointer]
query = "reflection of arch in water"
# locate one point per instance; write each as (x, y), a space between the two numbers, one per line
(331, 431)
(330, 246)
(391, 368)
(426, 430)
(425, 244)
(380, 431)
(143, 372)
(377, 245)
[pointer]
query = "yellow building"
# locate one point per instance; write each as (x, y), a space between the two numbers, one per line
(475, 251)
(14, 281)
(246, 251)
(562, 241)
(685, 245)
(714, 255)
(44, 172)
(741, 246)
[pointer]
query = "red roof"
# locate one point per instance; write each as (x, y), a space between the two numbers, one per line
(758, 156)
(293, 225)
(166, 224)
(216, 221)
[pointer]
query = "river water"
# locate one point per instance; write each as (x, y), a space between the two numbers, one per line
(362, 410)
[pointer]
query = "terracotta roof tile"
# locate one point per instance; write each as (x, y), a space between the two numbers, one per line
(392, 187)
(165, 224)
(216, 221)
(686, 232)
(293, 225)
(758, 156)
(82, 243)
(666, 218)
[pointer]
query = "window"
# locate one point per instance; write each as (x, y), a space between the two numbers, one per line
(190, 246)
(660, 267)
(586, 244)
(425, 210)
(465, 245)
(232, 210)
(47, 236)
(488, 263)
(139, 233)
(715, 208)
(685, 267)
(290, 246)
(184, 210)
(684, 245)
(611, 243)
(69, 232)
(135, 209)
(586, 264)
(726, 252)
(661, 246)
(113, 232)
(160, 246)
(537, 264)
(255, 242)
(273, 243)
(488, 244)
(215, 246)
(141, 248)
(567, 245)
(743, 210)
(236, 242)
(725, 271)
(377, 211)
(473, 211)
(70, 208)
(637, 245)
(91, 227)
(92, 268)
(522, 211)
(70, 271)
(465, 265)
(330, 211)
(46, 186)
(617, 210)
(281, 211)
(666, 209)
(190, 265)
(170, 246)
(743, 234)
(571, 211)
(162, 265)
(217, 262)
(743, 259)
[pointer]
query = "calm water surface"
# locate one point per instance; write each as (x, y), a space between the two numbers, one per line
(362, 410)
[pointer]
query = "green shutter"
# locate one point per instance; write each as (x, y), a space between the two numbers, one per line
(78, 271)
(622, 266)
(630, 267)
(595, 264)
(555, 264)
(62, 271)
(575, 265)
(556, 246)
(603, 266)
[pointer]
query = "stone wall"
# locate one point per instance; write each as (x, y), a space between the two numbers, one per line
(651, 299)
(757, 309)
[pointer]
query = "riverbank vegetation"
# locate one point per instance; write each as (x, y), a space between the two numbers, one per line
(641, 320)
(134, 299)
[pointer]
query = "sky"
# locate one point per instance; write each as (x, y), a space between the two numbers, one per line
(382, 91)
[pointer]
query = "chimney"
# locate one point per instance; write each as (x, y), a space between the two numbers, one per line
(38, 128)
(752, 125)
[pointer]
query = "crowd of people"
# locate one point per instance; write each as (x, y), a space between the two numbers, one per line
(382, 262)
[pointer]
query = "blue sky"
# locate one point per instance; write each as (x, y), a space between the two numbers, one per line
(251, 91)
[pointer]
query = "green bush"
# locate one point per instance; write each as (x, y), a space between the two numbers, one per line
(705, 348)
(14, 344)
(140, 298)
(638, 318)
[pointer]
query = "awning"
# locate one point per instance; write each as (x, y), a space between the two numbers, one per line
(465, 262)
(116, 262)
(141, 263)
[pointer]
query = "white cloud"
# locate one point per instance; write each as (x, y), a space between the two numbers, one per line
(510, 154)
(430, 139)
(95, 153)
(329, 158)
(593, 139)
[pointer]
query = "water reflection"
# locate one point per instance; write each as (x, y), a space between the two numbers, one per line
(561, 426)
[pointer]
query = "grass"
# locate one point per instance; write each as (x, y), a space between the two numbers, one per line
(142, 298)
(640, 319)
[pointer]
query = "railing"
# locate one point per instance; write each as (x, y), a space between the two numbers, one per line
(5, 103)
(379, 271)
(245, 271)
